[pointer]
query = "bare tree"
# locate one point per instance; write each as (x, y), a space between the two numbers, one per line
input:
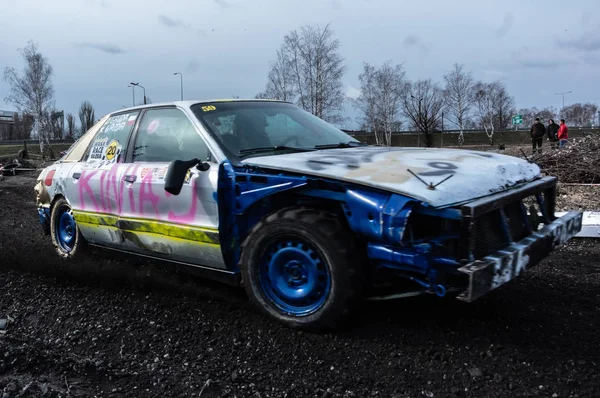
(529, 115)
(423, 104)
(366, 102)
(459, 97)
(495, 107)
(484, 98)
(581, 115)
(70, 125)
(391, 87)
(470, 124)
(315, 68)
(504, 106)
(23, 126)
(86, 116)
(545, 114)
(548, 113)
(33, 92)
(380, 100)
(55, 119)
(280, 84)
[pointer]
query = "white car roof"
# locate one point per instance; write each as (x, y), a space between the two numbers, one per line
(188, 103)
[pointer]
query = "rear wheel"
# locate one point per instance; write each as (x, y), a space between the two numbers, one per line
(65, 235)
(299, 266)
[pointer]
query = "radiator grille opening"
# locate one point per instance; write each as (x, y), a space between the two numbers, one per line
(489, 233)
(516, 221)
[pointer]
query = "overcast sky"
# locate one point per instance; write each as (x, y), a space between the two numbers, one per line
(223, 47)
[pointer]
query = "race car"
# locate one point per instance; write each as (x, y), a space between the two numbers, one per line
(310, 221)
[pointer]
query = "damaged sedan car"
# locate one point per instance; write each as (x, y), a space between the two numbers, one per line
(264, 195)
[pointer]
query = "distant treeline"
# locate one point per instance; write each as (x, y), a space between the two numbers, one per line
(408, 138)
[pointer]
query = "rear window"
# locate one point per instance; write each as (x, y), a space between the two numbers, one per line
(111, 141)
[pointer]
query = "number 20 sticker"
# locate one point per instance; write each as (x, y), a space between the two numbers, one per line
(208, 108)
(112, 150)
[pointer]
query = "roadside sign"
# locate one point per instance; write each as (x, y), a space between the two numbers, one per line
(517, 119)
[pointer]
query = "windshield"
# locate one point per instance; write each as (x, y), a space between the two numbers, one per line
(249, 128)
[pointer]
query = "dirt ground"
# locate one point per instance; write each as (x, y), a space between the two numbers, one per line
(111, 325)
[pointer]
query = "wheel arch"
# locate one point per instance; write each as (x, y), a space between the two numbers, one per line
(279, 201)
(247, 195)
(56, 198)
(78, 239)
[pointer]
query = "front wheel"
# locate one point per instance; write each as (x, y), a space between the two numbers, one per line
(65, 235)
(299, 266)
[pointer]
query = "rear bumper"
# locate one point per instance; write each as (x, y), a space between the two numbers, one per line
(504, 265)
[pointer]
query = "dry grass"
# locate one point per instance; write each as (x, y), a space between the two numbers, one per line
(12, 150)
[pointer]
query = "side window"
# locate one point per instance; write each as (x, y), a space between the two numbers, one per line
(165, 135)
(111, 141)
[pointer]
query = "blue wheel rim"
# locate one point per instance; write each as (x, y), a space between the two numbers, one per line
(294, 277)
(65, 229)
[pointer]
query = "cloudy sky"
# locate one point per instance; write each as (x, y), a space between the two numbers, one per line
(223, 47)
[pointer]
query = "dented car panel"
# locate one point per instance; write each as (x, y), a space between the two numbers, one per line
(412, 171)
(500, 267)
(442, 220)
(123, 205)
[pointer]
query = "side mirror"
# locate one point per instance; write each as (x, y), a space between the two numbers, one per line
(177, 171)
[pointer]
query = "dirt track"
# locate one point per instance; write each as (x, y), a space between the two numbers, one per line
(115, 326)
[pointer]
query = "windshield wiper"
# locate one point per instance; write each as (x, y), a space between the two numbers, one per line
(275, 148)
(349, 144)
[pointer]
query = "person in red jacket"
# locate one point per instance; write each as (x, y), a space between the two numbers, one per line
(563, 133)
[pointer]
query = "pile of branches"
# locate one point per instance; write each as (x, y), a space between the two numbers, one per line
(576, 163)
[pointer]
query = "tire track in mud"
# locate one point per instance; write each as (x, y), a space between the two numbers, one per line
(112, 325)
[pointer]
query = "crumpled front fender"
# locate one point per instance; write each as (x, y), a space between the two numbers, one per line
(381, 217)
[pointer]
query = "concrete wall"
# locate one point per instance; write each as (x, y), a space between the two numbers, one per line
(471, 138)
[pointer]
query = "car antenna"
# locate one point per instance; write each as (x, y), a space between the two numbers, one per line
(430, 185)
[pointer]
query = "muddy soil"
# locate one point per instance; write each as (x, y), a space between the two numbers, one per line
(110, 325)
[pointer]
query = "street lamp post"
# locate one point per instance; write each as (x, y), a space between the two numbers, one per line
(181, 83)
(143, 88)
(563, 95)
(132, 93)
(442, 133)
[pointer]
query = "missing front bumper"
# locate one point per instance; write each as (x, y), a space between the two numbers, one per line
(504, 265)
(44, 214)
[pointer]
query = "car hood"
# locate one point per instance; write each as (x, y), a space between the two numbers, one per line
(472, 174)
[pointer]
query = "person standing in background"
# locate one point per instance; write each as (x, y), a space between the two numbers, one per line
(552, 130)
(537, 132)
(563, 134)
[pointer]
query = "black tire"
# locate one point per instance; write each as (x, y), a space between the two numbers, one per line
(329, 250)
(72, 248)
